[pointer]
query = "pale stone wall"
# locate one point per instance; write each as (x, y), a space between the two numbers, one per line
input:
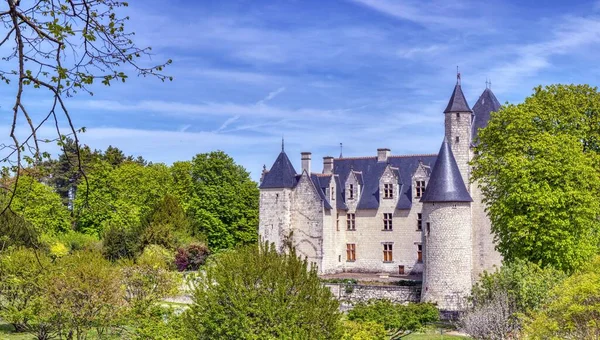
(275, 218)
(459, 125)
(360, 293)
(307, 220)
(448, 250)
(485, 256)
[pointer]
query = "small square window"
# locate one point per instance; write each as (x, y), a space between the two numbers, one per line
(457, 139)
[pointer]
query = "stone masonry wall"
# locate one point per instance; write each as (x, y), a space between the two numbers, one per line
(275, 215)
(485, 256)
(459, 125)
(307, 221)
(359, 293)
(448, 264)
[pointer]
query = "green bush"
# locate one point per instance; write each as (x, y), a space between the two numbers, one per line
(368, 330)
(157, 257)
(119, 243)
(257, 293)
(394, 317)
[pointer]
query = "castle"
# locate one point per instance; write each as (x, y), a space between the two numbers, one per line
(390, 214)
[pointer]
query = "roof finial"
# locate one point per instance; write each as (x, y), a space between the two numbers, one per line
(457, 76)
(487, 83)
(282, 144)
(341, 150)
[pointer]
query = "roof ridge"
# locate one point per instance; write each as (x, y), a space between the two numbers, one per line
(394, 156)
(363, 157)
(318, 174)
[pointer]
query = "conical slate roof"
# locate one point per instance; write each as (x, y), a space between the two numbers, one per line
(457, 102)
(281, 175)
(446, 183)
(486, 104)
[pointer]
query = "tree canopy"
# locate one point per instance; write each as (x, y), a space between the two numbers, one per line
(538, 166)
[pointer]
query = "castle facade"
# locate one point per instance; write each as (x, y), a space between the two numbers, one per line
(390, 214)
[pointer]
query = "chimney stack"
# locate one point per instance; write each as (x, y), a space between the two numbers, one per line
(306, 156)
(328, 165)
(383, 154)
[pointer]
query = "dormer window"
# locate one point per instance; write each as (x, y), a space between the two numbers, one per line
(351, 192)
(420, 188)
(388, 191)
(332, 193)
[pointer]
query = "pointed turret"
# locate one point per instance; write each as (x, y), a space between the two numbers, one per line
(486, 104)
(457, 102)
(446, 183)
(281, 175)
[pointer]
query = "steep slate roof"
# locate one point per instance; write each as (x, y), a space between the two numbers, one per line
(339, 195)
(281, 175)
(318, 181)
(457, 102)
(372, 171)
(446, 183)
(486, 104)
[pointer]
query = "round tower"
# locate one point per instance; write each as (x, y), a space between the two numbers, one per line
(447, 235)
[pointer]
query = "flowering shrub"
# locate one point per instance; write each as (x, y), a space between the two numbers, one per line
(191, 257)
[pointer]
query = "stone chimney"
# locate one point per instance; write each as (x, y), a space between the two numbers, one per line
(306, 156)
(328, 165)
(383, 154)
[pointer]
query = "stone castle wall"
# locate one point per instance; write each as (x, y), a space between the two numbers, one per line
(307, 221)
(459, 125)
(348, 293)
(448, 263)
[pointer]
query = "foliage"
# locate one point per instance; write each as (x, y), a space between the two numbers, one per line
(119, 243)
(21, 285)
(368, 330)
(157, 322)
(537, 163)
(257, 293)
(191, 257)
(120, 196)
(573, 310)
(16, 232)
(146, 284)
(58, 250)
(164, 223)
(395, 318)
(61, 48)
(501, 300)
(224, 203)
(39, 205)
(156, 256)
(85, 294)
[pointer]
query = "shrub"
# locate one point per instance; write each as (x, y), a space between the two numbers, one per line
(191, 257)
(394, 317)
(257, 293)
(58, 250)
(157, 257)
(369, 330)
(119, 243)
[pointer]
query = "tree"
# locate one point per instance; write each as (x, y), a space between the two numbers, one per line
(397, 319)
(573, 310)
(538, 166)
(256, 293)
(224, 202)
(22, 275)
(62, 47)
(164, 223)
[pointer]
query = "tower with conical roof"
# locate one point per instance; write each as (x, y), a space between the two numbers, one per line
(275, 213)
(458, 126)
(447, 241)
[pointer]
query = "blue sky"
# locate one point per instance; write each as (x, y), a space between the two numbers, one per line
(367, 73)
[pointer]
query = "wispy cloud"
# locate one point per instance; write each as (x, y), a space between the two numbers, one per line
(270, 96)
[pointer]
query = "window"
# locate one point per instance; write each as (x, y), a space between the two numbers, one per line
(387, 252)
(457, 139)
(351, 192)
(420, 188)
(428, 228)
(350, 252)
(458, 115)
(351, 221)
(388, 191)
(419, 253)
(387, 221)
(337, 222)
(333, 193)
(419, 222)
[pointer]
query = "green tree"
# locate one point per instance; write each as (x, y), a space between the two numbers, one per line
(367, 330)
(22, 282)
(224, 202)
(573, 311)
(397, 319)
(256, 293)
(40, 206)
(538, 166)
(164, 224)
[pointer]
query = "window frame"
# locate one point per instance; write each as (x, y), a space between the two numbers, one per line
(388, 219)
(351, 221)
(388, 190)
(419, 221)
(388, 252)
(350, 252)
(420, 188)
(351, 191)
(419, 253)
